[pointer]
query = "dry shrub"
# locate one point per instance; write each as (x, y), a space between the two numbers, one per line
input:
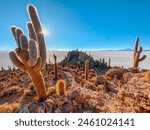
(8, 108)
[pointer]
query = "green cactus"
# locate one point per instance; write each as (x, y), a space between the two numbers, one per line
(136, 55)
(30, 56)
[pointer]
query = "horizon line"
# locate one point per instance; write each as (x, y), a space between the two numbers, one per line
(88, 49)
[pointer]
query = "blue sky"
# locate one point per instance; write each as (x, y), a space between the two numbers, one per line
(83, 24)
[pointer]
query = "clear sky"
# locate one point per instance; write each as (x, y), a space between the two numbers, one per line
(83, 24)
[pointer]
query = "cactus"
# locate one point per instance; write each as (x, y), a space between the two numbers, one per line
(61, 87)
(100, 61)
(49, 61)
(136, 55)
(103, 61)
(109, 63)
(30, 56)
(86, 69)
(2, 69)
(78, 65)
(55, 67)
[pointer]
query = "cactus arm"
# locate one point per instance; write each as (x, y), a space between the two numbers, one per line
(16, 61)
(142, 58)
(42, 48)
(38, 30)
(38, 65)
(31, 31)
(23, 42)
(23, 55)
(140, 50)
(19, 32)
(33, 53)
(136, 46)
(34, 18)
(13, 30)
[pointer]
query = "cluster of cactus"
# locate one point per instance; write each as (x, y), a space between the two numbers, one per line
(136, 55)
(30, 55)
(2, 70)
(61, 87)
(86, 69)
(55, 67)
(103, 62)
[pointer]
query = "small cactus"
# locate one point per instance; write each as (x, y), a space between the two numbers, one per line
(30, 56)
(61, 87)
(78, 65)
(147, 76)
(136, 55)
(103, 61)
(86, 69)
(100, 61)
(55, 67)
(49, 61)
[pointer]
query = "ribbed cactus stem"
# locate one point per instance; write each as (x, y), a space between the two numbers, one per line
(61, 87)
(136, 46)
(55, 66)
(56, 70)
(136, 55)
(86, 69)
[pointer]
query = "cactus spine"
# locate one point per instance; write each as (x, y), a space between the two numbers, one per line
(86, 69)
(55, 67)
(31, 55)
(136, 55)
(61, 87)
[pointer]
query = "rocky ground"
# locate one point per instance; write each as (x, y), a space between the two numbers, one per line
(108, 89)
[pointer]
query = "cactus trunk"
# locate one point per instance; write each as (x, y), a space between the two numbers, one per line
(56, 70)
(136, 54)
(39, 84)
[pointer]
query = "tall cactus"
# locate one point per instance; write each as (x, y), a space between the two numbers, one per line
(78, 65)
(109, 62)
(86, 69)
(31, 55)
(55, 67)
(136, 55)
